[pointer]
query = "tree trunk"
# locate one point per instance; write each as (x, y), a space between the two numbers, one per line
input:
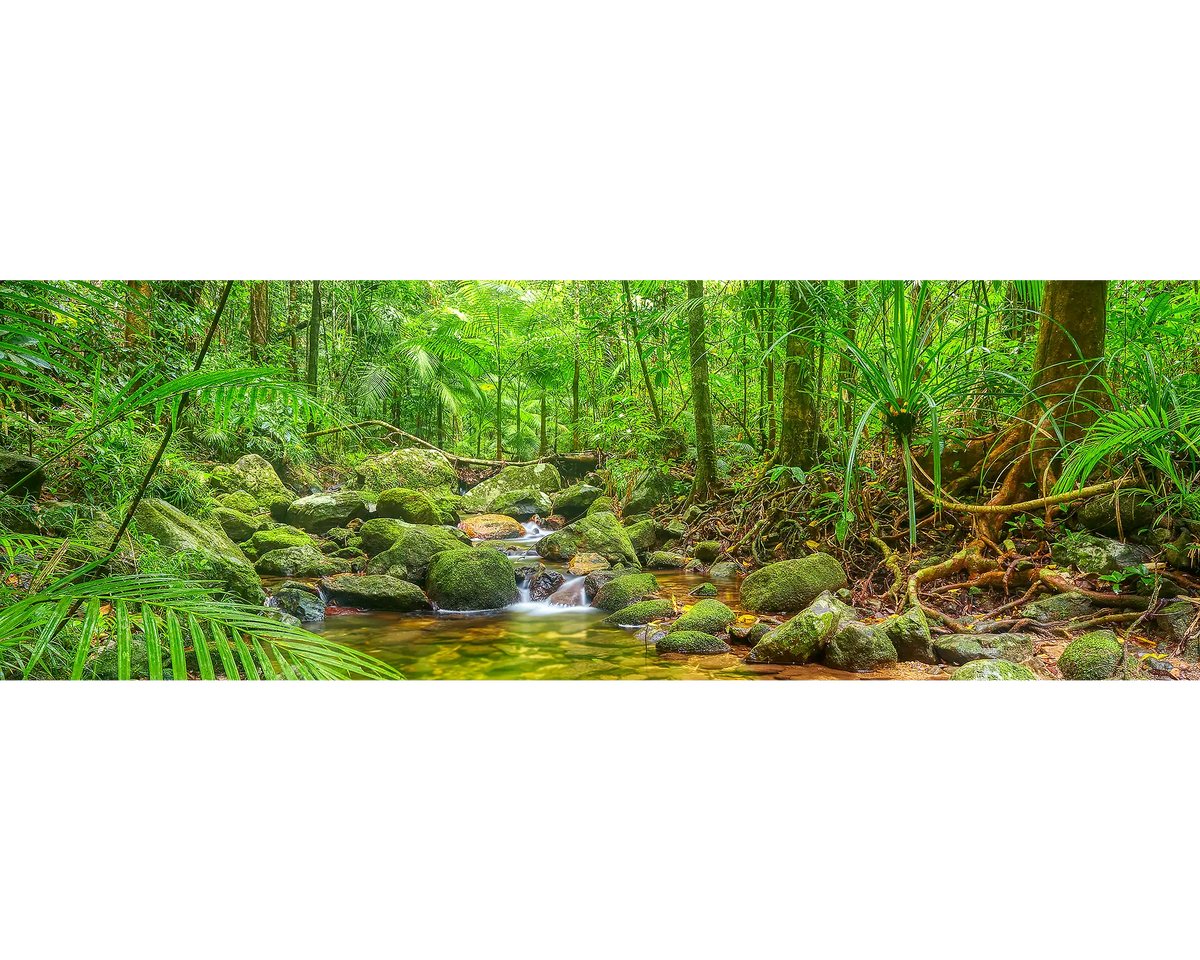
(846, 367)
(542, 450)
(293, 323)
(641, 358)
(258, 318)
(771, 369)
(139, 304)
(798, 437)
(706, 456)
(575, 407)
(314, 337)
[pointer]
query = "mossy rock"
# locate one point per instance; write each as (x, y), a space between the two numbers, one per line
(643, 536)
(665, 560)
(413, 506)
(724, 571)
(543, 477)
(1093, 656)
(525, 570)
(304, 606)
(706, 551)
(690, 641)
(959, 648)
(300, 561)
(238, 526)
(965, 648)
(597, 579)
(276, 538)
(425, 470)
(352, 554)
(1099, 514)
(340, 535)
(323, 511)
(20, 475)
(480, 578)
(909, 633)
(638, 614)
(704, 590)
(621, 592)
(522, 504)
(600, 533)
(380, 534)
(492, 526)
(993, 670)
(674, 530)
(374, 593)
(1096, 555)
(857, 647)
(803, 638)
(653, 488)
(707, 616)
(1175, 621)
(572, 502)
(791, 584)
(242, 502)
(544, 584)
(1059, 606)
(602, 505)
(255, 476)
(584, 563)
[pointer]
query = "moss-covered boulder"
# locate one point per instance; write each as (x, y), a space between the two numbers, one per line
(1094, 656)
(238, 526)
(255, 476)
(600, 533)
(651, 489)
(20, 476)
(958, 648)
(381, 533)
(492, 526)
(572, 502)
(480, 578)
(323, 511)
(1099, 514)
(724, 571)
(706, 551)
(300, 562)
(803, 638)
(242, 502)
(993, 670)
(413, 546)
(374, 593)
(909, 633)
(637, 614)
(704, 590)
(425, 470)
(542, 477)
(967, 647)
(642, 535)
(584, 563)
(665, 560)
(1097, 555)
(707, 616)
(857, 647)
(522, 504)
(602, 505)
(207, 551)
(791, 584)
(277, 537)
(621, 592)
(413, 506)
(690, 641)
(304, 605)
(1059, 606)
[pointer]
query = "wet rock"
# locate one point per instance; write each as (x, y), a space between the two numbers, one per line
(20, 476)
(791, 584)
(642, 535)
(707, 616)
(629, 519)
(1099, 514)
(277, 537)
(237, 525)
(492, 526)
(664, 560)
(724, 571)
(993, 670)
(690, 641)
(704, 590)
(1093, 656)
(637, 614)
(323, 511)
(300, 562)
(523, 504)
(572, 502)
(413, 506)
(623, 591)
(479, 578)
(525, 570)
(674, 530)
(425, 470)
(857, 647)
(300, 585)
(414, 540)
(910, 635)
(1092, 554)
(541, 477)
(706, 551)
(304, 606)
(600, 533)
(653, 488)
(598, 578)
(584, 563)
(958, 649)
(1059, 606)
(803, 638)
(340, 535)
(374, 593)
(544, 584)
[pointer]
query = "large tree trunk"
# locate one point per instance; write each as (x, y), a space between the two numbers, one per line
(542, 448)
(314, 337)
(1064, 393)
(706, 453)
(798, 437)
(258, 318)
(293, 323)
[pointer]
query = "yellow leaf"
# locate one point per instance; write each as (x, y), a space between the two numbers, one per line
(812, 543)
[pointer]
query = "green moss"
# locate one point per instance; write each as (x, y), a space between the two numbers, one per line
(1094, 656)
(801, 639)
(277, 538)
(522, 504)
(324, 511)
(791, 584)
(993, 670)
(410, 547)
(690, 641)
(302, 561)
(602, 505)
(600, 533)
(665, 560)
(637, 614)
(241, 501)
(414, 506)
(706, 551)
(704, 590)
(479, 578)
(857, 647)
(707, 616)
(238, 526)
(910, 635)
(621, 592)
(573, 501)
(424, 470)
(374, 593)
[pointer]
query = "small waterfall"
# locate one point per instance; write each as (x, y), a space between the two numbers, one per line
(568, 598)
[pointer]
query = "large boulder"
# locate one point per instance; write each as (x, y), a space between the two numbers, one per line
(324, 511)
(411, 469)
(690, 641)
(305, 606)
(491, 526)
(642, 535)
(665, 560)
(1094, 656)
(1099, 514)
(993, 670)
(600, 533)
(791, 584)
(543, 477)
(277, 537)
(572, 502)
(542, 585)
(412, 506)
(242, 502)
(621, 592)
(802, 639)
(857, 647)
(374, 593)
(964, 648)
(300, 562)
(1097, 555)
(522, 504)
(909, 633)
(411, 549)
(706, 551)
(653, 488)
(480, 578)
(238, 526)
(1059, 606)
(724, 571)
(208, 552)
(602, 505)
(20, 476)
(639, 614)
(256, 477)
(707, 616)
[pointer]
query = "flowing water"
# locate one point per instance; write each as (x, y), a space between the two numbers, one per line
(559, 638)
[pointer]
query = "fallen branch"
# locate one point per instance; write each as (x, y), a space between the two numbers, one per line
(985, 508)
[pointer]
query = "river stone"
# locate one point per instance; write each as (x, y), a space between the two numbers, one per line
(542, 477)
(479, 578)
(637, 614)
(237, 525)
(1093, 656)
(707, 616)
(408, 558)
(526, 570)
(674, 530)
(600, 533)
(665, 560)
(1006, 646)
(724, 571)
(802, 639)
(623, 591)
(20, 476)
(1097, 555)
(584, 563)
(572, 502)
(381, 533)
(653, 488)
(492, 526)
(750, 634)
(957, 648)
(414, 506)
(257, 477)
(323, 511)
(374, 593)
(544, 584)
(209, 553)
(706, 551)
(522, 504)
(300, 562)
(598, 578)
(993, 670)
(602, 505)
(1059, 606)
(791, 584)
(410, 469)
(299, 585)
(909, 633)
(277, 537)
(857, 647)
(304, 606)
(690, 641)
(704, 590)
(1099, 514)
